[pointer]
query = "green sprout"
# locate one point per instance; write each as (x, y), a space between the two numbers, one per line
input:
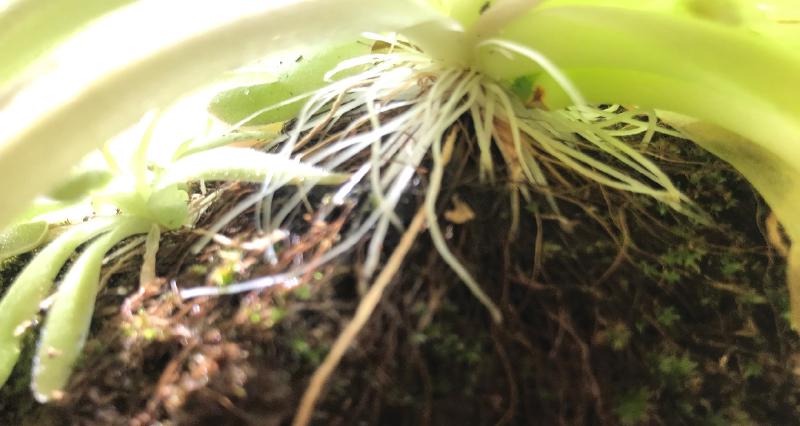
(399, 74)
(147, 202)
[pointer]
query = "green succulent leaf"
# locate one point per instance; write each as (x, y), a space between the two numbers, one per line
(21, 238)
(241, 103)
(67, 324)
(193, 147)
(244, 164)
(169, 207)
(80, 185)
(21, 301)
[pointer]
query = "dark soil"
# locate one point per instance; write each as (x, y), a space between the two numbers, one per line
(627, 313)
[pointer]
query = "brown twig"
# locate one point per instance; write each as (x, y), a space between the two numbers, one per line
(363, 312)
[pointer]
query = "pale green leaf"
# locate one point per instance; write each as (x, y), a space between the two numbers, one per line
(21, 301)
(21, 238)
(238, 104)
(67, 325)
(249, 165)
(169, 207)
(79, 185)
(146, 55)
(29, 28)
(678, 64)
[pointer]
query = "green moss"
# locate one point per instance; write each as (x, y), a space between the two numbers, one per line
(633, 407)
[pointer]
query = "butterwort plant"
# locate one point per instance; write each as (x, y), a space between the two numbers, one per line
(400, 73)
(110, 204)
(527, 74)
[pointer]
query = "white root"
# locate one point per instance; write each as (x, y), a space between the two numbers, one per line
(407, 102)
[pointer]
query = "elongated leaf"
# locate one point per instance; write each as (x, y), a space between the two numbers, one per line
(21, 302)
(79, 185)
(772, 19)
(228, 139)
(244, 164)
(64, 332)
(675, 64)
(240, 103)
(29, 28)
(42, 207)
(148, 53)
(21, 238)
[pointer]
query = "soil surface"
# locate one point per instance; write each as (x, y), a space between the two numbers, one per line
(615, 311)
